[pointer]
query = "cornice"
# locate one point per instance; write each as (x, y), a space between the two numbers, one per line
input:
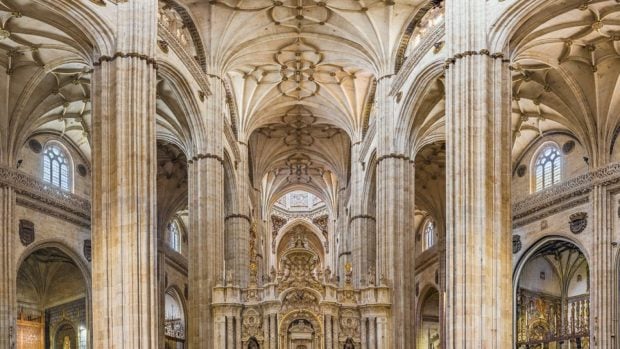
(35, 194)
(568, 194)
(186, 58)
(421, 51)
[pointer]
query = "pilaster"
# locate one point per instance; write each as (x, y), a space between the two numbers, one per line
(603, 283)
(8, 301)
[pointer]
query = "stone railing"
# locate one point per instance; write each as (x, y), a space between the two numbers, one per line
(563, 195)
(39, 195)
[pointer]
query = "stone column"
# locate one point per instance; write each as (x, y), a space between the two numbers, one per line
(395, 212)
(230, 332)
(238, 223)
(372, 334)
(362, 241)
(8, 300)
(478, 232)
(328, 331)
(238, 344)
(364, 330)
(206, 216)
(383, 333)
(124, 234)
(336, 331)
(273, 337)
(266, 333)
(602, 270)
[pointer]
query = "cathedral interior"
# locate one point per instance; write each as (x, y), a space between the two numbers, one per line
(309, 174)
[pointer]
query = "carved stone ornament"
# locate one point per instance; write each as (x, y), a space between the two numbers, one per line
(578, 222)
(516, 243)
(88, 250)
(252, 323)
(350, 325)
(26, 232)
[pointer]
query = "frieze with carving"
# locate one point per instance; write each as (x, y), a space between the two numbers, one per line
(45, 196)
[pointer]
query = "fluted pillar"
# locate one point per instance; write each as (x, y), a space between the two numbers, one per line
(266, 333)
(230, 332)
(336, 331)
(395, 212)
(206, 228)
(328, 331)
(602, 270)
(364, 331)
(124, 234)
(478, 236)
(273, 336)
(8, 301)
(372, 334)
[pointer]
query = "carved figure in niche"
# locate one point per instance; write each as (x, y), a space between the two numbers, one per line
(66, 343)
(349, 344)
(252, 344)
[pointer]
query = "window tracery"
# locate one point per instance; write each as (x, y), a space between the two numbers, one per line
(56, 167)
(548, 168)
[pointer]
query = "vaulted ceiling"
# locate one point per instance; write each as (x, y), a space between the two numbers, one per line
(302, 74)
(566, 74)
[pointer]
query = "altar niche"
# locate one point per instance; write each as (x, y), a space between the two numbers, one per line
(52, 300)
(553, 297)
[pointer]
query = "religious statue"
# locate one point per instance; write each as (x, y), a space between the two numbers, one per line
(349, 344)
(66, 344)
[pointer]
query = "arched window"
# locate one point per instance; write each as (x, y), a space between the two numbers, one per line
(56, 167)
(548, 168)
(174, 236)
(429, 234)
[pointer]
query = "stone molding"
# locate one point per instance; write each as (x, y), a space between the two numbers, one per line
(422, 50)
(192, 65)
(568, 194)
(238, 216)
(149, 60)
(37, 195)
(362, 216)
(483, 52)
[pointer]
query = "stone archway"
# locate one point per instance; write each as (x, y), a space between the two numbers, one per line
(301, 329)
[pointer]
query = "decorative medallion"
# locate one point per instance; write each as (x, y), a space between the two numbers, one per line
(26, 232)
(88, 250)
(578, 222)
(35, 146)
(516, 243)
(568, 147)
(521, 170)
